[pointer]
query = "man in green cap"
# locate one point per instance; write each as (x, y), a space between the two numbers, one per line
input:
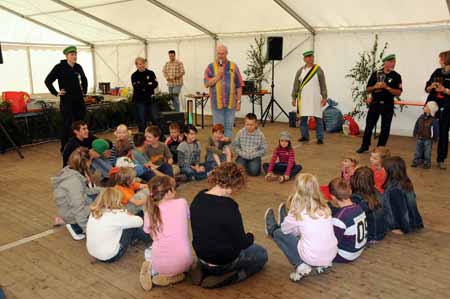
(384, 85)
(310, 95)
(73, 86)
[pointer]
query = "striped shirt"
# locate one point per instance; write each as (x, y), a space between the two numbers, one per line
(223, 93)
(116, 153)
(250, 145)
(173, 72)
(350, 228)
(283, 155)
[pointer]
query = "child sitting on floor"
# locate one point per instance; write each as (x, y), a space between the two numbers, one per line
(368, 198)
(123, 179)
(217, 150)
(348, 167)
(305, 235)
(399, 199)
(174, 139)
(189, 156)
(349, 221)
(285, 155)
(166, 219)
(159, 155)
(250, 145)
(123, 145)
(376, 164)
(110, 228)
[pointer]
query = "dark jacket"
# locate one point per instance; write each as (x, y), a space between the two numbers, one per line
(218, 234)
(144, 84)
(443, 100)
(74, 143)
(71, 79)
(376, 228)
(400, 209)
(426, 127)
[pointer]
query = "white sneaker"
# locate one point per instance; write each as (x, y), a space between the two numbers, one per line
(301, 271)
(75, 236)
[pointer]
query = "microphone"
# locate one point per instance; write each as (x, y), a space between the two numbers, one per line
(220, 62)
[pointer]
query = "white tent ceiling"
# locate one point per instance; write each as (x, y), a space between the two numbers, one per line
(100, 21)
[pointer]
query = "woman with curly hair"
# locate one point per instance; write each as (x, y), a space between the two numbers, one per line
(226, 253)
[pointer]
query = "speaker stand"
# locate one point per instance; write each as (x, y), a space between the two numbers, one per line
(5, 132)
(273, 101)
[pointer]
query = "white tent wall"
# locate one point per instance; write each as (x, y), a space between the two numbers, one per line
(416, 52)
(14, 71)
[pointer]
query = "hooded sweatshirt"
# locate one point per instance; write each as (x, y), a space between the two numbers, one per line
(71, 193)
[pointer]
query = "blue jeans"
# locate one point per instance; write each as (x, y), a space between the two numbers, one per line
(210, 158)
(288, 244)
(280, 168)
(423, 151)
(128, 236)
(225, 117)
(252, 166)
(104, 166)
(175, 91)
(304, 130)
(147, 111)
(197, 176)
(249, 262)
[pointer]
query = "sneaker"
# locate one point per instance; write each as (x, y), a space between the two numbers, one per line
(74, 232)
(270, 222)
(145, 277)
(303, 139)
(214, 281)
(322, 270)
(301, 271)
(362, 150)
(320, 141)
(163, 280)
(441, 165)
(282, 212)
(196, 273)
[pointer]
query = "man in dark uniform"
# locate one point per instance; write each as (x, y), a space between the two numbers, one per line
(73, 86)
(384, 85)
(144, 84)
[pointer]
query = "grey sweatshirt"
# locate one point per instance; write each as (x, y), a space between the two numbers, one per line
(71, 196)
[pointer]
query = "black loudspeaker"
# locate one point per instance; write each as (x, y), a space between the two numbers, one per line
(275, 48)
(166, 118)
(1, 56)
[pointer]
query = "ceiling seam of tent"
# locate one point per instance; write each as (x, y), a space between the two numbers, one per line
(295, 15)
(45, 25)
(101, 21)
(81, 7)
(183, 18)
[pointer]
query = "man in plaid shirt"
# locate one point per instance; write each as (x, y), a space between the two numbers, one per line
(250, 145)
(173, 72)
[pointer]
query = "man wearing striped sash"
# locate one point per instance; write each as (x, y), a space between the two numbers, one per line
(310, 95)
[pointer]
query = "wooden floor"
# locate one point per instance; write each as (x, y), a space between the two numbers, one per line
(55, 266)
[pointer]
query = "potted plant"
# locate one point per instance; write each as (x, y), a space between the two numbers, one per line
(257, 62)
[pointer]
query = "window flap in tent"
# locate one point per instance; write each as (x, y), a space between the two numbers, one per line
(349, 14)
(81, 26)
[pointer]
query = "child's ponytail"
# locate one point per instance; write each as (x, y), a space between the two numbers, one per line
(158, 187)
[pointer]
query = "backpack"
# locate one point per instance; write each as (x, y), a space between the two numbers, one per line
(332, 117)
(350, 126)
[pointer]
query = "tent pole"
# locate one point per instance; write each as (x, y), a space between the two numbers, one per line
(94, 69)
(44, 25)
(183, 18)
(146, 50)
(97, 19)
(295, 15)
(30, 70)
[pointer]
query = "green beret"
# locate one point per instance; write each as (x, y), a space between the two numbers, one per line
(70, 49)
(388, 57)
(100, 146)
(308, 53)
